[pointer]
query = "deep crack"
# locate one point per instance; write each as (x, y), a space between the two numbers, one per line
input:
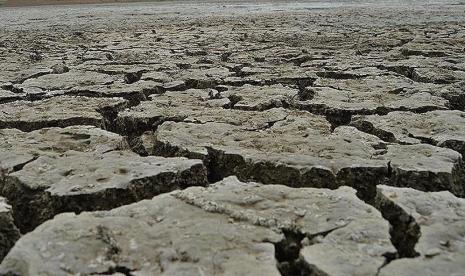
(287, 254)
(404, 231)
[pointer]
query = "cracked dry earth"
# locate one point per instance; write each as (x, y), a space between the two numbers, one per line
(235, 138)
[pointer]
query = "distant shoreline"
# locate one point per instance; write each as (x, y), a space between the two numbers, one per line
(23, 3)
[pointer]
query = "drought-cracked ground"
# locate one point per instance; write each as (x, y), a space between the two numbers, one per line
(233, 138)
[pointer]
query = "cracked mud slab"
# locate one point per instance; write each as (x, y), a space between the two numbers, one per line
(76, 181)
(370, 95)
(442, 128)
(230, 227)
(65, 81)
(271, 92)
(8, 96)
(193, 105)
(18, 148)
(301, 151)
(419, 69)
(134, 91)
(58, 112)
(455, 93)
(249, 97)
(439, 241)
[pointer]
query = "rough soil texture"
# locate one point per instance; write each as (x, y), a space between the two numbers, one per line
(230, 227)
(233, 138)
(9, 233)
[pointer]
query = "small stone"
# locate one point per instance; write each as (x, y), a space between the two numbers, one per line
(60, 69)
(432, 252)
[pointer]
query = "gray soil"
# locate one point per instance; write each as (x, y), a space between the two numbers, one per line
(233, 138)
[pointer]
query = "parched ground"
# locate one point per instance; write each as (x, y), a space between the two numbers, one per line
(233, 138)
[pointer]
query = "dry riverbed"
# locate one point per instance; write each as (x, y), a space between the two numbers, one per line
(233, 138)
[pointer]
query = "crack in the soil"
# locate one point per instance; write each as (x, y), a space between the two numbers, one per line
(134, 97)
(33, 76)
(112, 252)
(108, 114)
(32, 207)
(340, 117)
(117, 270)
(133, 127)
(106, 236)
(389, 137)
(368, 127)
(388, 258)
(404, 230)
(338, 75)
(411, 73)
(287, 252)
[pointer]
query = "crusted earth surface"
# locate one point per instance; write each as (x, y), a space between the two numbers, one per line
(233, 138)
